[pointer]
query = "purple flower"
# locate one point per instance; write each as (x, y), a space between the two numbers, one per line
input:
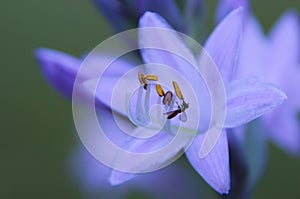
(246, 99)
(275, 59)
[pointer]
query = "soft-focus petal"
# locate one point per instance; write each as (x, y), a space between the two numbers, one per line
(249, 99)
(195, 18)
(226, 6)
(289, 82)
(223, 44)
(214, 168)
(283, 128)
(88, 171)
(261, 56)
(167, 9)
(253, 60)
(285, 42)
(115, 13)
(59, 69)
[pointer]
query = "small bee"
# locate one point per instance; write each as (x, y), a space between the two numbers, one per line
(167, 96)
(181, 108)
(144, 79)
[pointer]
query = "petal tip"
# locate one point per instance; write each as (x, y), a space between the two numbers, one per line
(152, 19)
(147, 18)
(113, 182)
(222, 187)
(148, 14)
(119, 177)
(42, 53)
(224, 190)
(291, 15)
(281, 95)
(237, 11)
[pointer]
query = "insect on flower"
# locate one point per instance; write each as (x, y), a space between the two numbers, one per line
(181, 108)
(144, 78)
(167, 96)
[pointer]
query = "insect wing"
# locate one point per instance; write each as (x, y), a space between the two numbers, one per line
(172, 114)
(183, 117)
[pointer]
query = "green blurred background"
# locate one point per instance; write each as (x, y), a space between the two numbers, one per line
(36, 123)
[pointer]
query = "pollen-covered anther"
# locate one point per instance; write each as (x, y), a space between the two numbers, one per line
(143, 79)
(177, 90)
(159, 90)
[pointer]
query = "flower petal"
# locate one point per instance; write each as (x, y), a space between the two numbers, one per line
(59, 69)
(223, 44)
(114, 12)
(214, 168)
(288, 135)
(226, 6)
(249, 99)
(143, 146)
(89, 172)
(253, 60)
(167, 9)
(166, 44)
(285, 35)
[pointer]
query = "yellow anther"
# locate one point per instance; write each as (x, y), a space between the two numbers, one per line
(151, 77)
(177, 90)
(141, 77)
(159, 90)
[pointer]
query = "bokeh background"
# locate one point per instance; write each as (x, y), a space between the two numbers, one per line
(37, 133)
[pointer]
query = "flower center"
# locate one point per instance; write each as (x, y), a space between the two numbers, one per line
(144, 99)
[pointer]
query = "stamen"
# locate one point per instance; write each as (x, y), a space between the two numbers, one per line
(159, 90)
(177, 90)
(151, 77)
(141, 115)
(147, 102)
(143, 79)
